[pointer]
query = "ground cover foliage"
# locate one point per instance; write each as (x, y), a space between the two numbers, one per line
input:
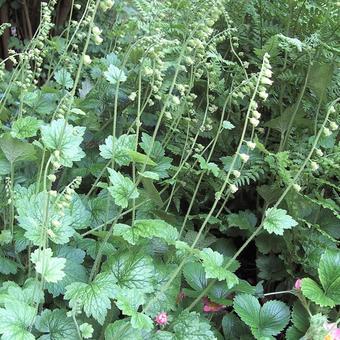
(169, 170)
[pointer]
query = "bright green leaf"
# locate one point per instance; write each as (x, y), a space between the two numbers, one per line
(277, 220)
(129, 300)
(61, 136)
(192, 326)
(86, 330)
(94, 297)
(49, 267)
(141, 321)
(156, 228)
(213, 263)
(122, 189)
(31, 217)
(63, 77)
(74, 271)
(329, 274)
(119, 150)
(122, 329)
(243, 219)
(16, 150)
(56, 324)
(25, 127)
(15, 320)
(114, 74)
(314, 292)
(227, 125)
(194, 275)
(8, 266)
(265, 321)
(133, 270)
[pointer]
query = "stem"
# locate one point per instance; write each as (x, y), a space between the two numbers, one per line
(281, 292)
(11, 218)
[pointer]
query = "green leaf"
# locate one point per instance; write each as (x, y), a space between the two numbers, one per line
(149, 174)
(329, 274)
(282, 122)
(300, 317)
(141, 321)
(8, 266)
(31, 217)
(119, 150)
(114, 74)
(41, 101)
(277, 220)
(122, 188)
(163, 335)
(74, 271)
(227, 125)
(50, 268)
(320, 78)
(213, 263)
(86, 330)
(243, 219)
(5, 237)
(157, 154)
(210, 167)
(293, 333)
(79, 214)
(16, 150)
(314, 292)
(248, 308)
(129, 300)
(233, 327)
(15, 319)
(270, 268)
(25, 127)
(167, 300)
(138, 157)
(274, 317)
(122, 329)
(192, 326)
(265, 321)
(63, 77)
(29, 293)
(194, 275)
(5, 166)
(152, 192)
(61, 136)
(56, 324)
(156, 228)
(93, 297)
(126, 232)
(133, 271)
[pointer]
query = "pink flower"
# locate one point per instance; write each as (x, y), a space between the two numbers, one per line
(211, 307)
(334, 331)
(161, 318)
(297, 284)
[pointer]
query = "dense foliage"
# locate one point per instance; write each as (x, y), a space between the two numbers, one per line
(169, 170)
